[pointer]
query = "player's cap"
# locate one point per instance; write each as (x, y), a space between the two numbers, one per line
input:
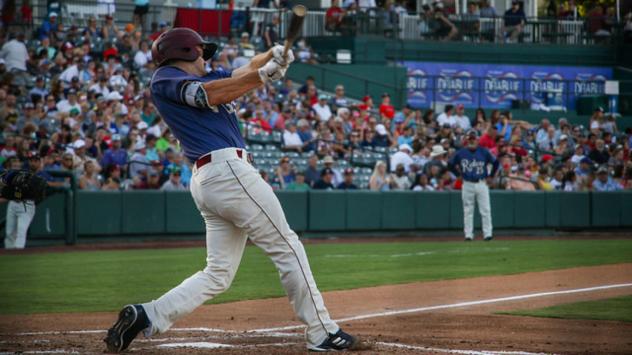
(328, 160)
(405, 146)
(326, 171)
(380, 129)
(116, 137)
(79, 143)
(602, 170)
(348, 171)
(180, 43)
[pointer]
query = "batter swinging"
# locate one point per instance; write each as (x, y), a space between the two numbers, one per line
(235, 202)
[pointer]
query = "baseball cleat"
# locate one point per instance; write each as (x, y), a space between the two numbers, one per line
(468, 239)
(337, 342)
(487, 239)
(131, 321)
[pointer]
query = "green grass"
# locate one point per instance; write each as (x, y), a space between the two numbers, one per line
(105, 280)
(619, 309)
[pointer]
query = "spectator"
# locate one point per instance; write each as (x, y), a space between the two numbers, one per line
(312, 174)
(382, 137)
(387, 111)
(325, 181)
(400, 180)
(339, 100)
(380, 180)
(584, 168)
(570, 182)
(487, 29)
(460, 119)
(599, 155)
(334, 17)
(471, 21)
(514, 22)
(89, 180)
(285, 173)
(143, 55)
(174, 183)
(322, 108)
(299, 183)
(347, 182)
(421, 183)
(402, 157)
(292, 139)
(15, 54)
(604, 182)
(270, 34)
(141, 8)
(445, 30)
(115, 155)
(305, 133)
(446, 118)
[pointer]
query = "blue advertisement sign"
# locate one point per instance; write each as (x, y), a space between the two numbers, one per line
(497, 85)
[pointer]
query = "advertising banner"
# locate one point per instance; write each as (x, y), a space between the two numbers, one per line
(497, 85)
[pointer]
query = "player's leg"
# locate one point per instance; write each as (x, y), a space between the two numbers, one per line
(482, 198)
(225, 246)
(467, 196)
(24, 219)
(257, 209)
(11, 226)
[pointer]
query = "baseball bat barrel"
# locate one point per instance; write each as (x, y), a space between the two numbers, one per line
(296, 24)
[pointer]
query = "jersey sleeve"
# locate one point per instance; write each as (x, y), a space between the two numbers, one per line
(168, 85)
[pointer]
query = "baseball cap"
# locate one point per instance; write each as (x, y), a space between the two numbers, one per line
(328, 160)
(546, 157)
(366, 98)
(116, 137)
(114, 96)
(602, 170)
(79, 143)
(380, 129)
(405, 147)
(471, 132)
(326, 171)
(52, 14)
(586, 160)
(563, 137)
(142, 125)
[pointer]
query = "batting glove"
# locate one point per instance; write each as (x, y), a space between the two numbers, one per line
(271, 71)
(277, 53)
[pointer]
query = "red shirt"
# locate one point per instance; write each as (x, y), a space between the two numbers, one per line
(261, 123)
(387, 110)
(487, 141)
(334, 14)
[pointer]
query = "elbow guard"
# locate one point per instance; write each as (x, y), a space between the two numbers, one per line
(193, 94)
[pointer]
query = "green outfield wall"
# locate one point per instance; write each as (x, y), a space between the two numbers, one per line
(168, 213)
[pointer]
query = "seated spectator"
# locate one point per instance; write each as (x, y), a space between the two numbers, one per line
(382, 137)
(446, 117)
(339, 100)
(460, 119)
(518, 181)
(347, 182)
(325, 181)
(584, 168)
(604, 182)
(174, 183)
(112, 184)
(334, 17)
(285, 172)
(387, 111)
(599, 155)
(421, 183)
(515, 21)
(402, 157)
(89, 180)
(380, 180)
(312, 174)
(298, 184)
(596, 21)
(322, 109)
(291, 138)
(471, 21)
(400, 180)
(557, 180)
(570, 182)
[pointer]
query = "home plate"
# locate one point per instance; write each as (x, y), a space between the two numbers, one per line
(198, 345)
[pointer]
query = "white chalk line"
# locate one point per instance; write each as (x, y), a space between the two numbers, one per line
(452, 305)
(209, 345)
(455, 351)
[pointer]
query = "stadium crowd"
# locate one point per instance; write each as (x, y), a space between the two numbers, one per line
(76, 100)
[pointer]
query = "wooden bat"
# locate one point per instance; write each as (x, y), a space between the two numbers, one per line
(296, 25)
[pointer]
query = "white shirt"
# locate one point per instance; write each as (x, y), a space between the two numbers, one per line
(118, 81)
(66, 106)
(365, 4)
(463, 122)
(575, 159)
(443, 118)
(170, 186)
(323, 112)
(292, 139)
(103, 90)
(154, 130)
(141, 59)
(401, 158)
(15, 55)
(69, 73)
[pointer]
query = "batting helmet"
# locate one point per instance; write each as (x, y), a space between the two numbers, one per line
(180, 43)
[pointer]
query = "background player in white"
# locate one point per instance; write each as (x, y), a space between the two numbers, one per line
(235, 202)
(473, 164)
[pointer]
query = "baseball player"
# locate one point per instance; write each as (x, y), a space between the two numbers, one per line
(235, 202)
(472, 163)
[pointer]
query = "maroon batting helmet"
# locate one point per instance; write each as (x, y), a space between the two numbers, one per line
(180, 43)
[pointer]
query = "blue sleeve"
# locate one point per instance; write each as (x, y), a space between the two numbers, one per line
(168, 83)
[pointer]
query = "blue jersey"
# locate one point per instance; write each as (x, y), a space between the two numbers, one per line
(472, 165)
(199, 130)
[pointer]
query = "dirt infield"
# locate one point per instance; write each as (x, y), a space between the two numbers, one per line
(454, 316)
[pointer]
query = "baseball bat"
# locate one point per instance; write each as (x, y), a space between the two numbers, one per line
(295, 27)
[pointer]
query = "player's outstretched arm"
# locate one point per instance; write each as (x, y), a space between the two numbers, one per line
(255, 63)
(226, 90)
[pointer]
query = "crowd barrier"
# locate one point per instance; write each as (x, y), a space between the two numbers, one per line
(160, 213)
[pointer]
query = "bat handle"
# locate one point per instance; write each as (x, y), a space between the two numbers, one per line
(286, 47)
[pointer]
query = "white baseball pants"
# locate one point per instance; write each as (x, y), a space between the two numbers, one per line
(476, 192)
(19, 217)
(236, 204)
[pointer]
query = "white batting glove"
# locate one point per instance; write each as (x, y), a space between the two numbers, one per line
(271, 71)
(277, 52)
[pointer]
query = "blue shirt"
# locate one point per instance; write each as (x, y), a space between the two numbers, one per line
(609, 185)
(473, 164)
(199, 131)
(118, 157)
